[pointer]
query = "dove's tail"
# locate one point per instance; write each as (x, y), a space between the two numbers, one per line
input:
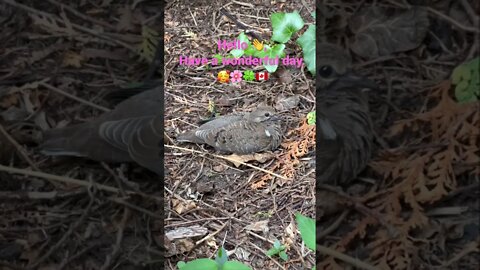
(189, 136)
(56, 142)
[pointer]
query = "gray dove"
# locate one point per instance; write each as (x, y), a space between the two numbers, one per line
(345, 129)
(245, 133)
(132, 132)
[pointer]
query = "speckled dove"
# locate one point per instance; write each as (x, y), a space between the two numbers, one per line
(133, 131)
(345, 128)
(246, 133)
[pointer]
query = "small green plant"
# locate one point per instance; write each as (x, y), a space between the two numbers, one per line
(311, 118)
(306, 226)
(466, 77)
(284, 26)
(278, 249)
(221, 262)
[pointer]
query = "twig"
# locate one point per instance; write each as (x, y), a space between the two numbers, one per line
(101, 35)
(360, 207)
(470, 247)
(116, 249)
(19, 148)
(81, 100)
(62, 179)
(239, 24)
(67, 234)
(350, 260)
(211, 234)
(81, 15)
(229, 159)
(263, 252)
(334, 225)
(453, 21)
(116, 177)
(471, 13)
(135, 207)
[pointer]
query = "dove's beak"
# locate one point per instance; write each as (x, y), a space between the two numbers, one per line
(359, 81)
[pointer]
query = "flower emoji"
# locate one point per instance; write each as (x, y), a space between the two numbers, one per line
(223, 76)
(248, 75)
(236, 76)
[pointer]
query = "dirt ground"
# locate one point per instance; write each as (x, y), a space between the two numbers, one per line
(416, 206)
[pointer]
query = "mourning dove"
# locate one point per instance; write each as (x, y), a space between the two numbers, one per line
(345, 128)
(130, 132)
(246, 133)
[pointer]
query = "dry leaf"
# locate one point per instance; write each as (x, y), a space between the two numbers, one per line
(72, 59)
(289, 103)
(378, 33)
(237, 160)
(182, 206)
(259, 226)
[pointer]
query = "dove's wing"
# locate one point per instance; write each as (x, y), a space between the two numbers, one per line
(243, 137)
(345, 135)
(118, 133)
(206, 130)
(146, 145)
(141, 137)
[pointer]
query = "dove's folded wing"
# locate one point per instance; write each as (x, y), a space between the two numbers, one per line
(146, 145)
(140, 136)
(118, 133)
(244, 137)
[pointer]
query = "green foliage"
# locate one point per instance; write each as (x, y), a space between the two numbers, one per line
(147, 48)
(466, 77)
(219, 58)
(306, 226)
(307, 42)
(285, 25)
(278, 249)
(222, 257)
(239, 52)
(220, 263)
(204, 263)
(275, 51)
(311, 118)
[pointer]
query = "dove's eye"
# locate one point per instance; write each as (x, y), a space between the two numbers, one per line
(267, 114)
(326, 71)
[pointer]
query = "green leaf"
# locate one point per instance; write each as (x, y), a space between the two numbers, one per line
(311, 118)
(272, 252)
(180, 264)
(235, 265)
(222, 257)
(283, 255)
(314, 14)
(204, 264)
(314, 268)
(250, 50)
(219, 58)
(285, 25)
(307, 42)
(306, 226)
(276, 244)
(273, 52)
(239, 52)
(466, 77)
